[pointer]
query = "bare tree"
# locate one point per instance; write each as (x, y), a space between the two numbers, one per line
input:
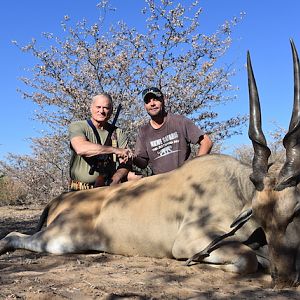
(42, 175)
(171, 53)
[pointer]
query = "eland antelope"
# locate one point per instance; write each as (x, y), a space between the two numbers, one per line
(189, 212)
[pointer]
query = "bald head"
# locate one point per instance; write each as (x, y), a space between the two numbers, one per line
(103, 95)
(101, 108)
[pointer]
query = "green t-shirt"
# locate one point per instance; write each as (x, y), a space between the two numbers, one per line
(79, 168)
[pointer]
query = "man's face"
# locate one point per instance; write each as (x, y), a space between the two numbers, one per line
(154, 105)
(101, 109)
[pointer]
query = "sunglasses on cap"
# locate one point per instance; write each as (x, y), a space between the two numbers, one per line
(152, 90)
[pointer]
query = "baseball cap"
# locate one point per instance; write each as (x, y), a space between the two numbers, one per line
(152, 90)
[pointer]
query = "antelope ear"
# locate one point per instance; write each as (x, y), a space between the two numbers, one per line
(287, 182)
(243, 217)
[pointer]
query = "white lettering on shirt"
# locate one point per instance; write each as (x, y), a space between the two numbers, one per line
(164, 145)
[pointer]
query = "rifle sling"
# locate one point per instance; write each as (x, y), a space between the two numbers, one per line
(108, 138)
(89, 121)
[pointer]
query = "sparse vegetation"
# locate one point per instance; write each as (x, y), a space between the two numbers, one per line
(170, 51)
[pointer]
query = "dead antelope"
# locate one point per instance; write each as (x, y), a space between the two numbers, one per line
(179, 213)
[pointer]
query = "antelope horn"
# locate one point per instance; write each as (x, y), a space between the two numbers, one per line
(261, 150)
(289, 174)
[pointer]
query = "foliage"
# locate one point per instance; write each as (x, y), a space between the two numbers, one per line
(170, 52)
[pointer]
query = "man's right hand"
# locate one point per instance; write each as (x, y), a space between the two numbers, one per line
(125, 154)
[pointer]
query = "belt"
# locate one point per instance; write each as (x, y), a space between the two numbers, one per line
(78, 185)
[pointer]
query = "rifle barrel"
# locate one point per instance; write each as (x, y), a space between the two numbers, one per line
(113, 124)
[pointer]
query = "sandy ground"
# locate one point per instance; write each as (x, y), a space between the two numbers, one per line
(27, 275)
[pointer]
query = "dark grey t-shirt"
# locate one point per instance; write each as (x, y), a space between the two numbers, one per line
(167, 147)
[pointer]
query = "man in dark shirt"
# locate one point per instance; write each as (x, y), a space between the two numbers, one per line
(164, 142)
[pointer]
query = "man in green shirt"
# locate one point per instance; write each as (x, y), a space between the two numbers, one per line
(86, 151)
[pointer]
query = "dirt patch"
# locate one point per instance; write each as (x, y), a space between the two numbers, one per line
(27, 275)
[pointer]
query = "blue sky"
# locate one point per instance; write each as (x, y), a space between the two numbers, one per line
(265, 31)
